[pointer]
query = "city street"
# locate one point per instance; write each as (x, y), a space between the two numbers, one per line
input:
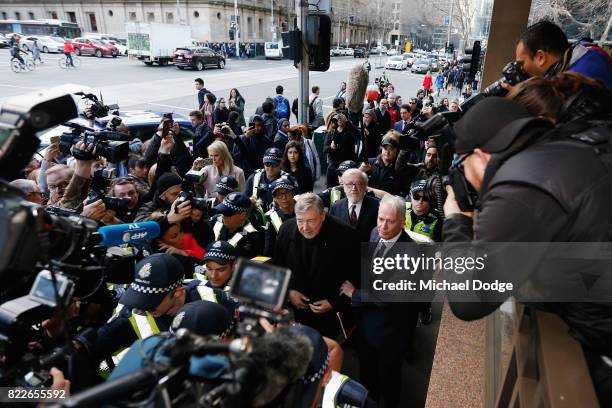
(132, 85)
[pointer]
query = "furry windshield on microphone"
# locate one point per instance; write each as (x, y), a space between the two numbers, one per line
(283, 358)
(356, 87)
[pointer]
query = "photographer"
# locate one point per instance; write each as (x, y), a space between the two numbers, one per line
(381, 170)
(126, 187)
(543, 50)
(524, 173)
(169, 141)
(222, 165)
(419, 171)
(341, 143)
(249, 154)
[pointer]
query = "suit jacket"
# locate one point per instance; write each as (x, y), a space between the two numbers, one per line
(383, 120)
(399, 126)
(319, 273)
(382, 324)
(367, 216)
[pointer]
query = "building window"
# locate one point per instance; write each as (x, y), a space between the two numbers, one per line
(132, 16)
(110, 13)
(250, 27)
(218, 16)
(17, 15)
(71, 16)
(52, 15)
(31, 15)
(4, 15)
(261, 30)
(93, 24)
(169, 17)
(150, 17)
(397, 26)
(196, 14)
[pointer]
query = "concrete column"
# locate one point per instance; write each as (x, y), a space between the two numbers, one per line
(508, 19)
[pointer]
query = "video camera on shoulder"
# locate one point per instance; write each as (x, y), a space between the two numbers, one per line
(112, 145)
(260, 286)
(97, 107)
(99, 187)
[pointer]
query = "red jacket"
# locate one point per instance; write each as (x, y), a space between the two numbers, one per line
(68, 47)
(427, 82)
(191, 246)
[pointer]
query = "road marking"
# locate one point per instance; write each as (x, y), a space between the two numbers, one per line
(19, 87)
(169, 106)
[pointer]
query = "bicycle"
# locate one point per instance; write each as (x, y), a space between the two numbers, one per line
(17, 66)
(63, 62)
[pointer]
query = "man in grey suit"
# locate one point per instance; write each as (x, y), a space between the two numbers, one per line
(356, 209)
(384, 328)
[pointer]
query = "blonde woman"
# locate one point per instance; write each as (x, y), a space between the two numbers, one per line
(222, 165)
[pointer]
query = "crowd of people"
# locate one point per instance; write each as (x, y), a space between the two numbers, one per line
(247, 189)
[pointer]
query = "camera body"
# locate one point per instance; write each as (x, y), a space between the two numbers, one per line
(512, 75)
(99, 187)
(112, 145)
(201, 204)
(97, 106)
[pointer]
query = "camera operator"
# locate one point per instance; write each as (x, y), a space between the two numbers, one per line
(168, 140)
(249, 154)
(341, 143)
(381, 170)
(524, 173)
(126, 187)
(419, 171)
(543, 50)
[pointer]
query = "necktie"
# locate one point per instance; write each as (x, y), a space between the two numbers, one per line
(380, 251)
(353, 216)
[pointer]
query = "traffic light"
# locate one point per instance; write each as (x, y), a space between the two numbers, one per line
(231, 34)
(450, 48)
(318, 39)
(471, 61)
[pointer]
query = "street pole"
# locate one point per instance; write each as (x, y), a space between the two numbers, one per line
(450, 23)
(302, 16)
(237, 33)
(178, 11)
(272, 19)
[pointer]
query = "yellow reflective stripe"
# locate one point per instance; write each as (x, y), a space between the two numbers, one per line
(235, 239)
(256, 180)
(199, 276)
(261, 259)
(332, 388)
(334, 196)
(134, 324)
(419, 238)
(276, 220)
(207, 293)
(153, 324)
(249, 228)
(217, 229)
(408, 218)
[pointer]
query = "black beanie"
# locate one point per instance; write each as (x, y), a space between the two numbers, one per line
(166, 181)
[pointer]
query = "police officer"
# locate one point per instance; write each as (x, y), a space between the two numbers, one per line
(232, 224)
(258, 184)
(223, 186)
(423, 224)
(219, 263)
(283, 190)
(333, 194)
(149, 304)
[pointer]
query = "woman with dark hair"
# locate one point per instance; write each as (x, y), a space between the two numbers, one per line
(311, 156)
(221, 113)
(281, 138)
(236, 103)
(294, 164)
(372, 132)
(233, 121)
(208, 108)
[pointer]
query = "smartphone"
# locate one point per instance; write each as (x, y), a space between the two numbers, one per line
(55, 139)
(208, 161)
(169, 117)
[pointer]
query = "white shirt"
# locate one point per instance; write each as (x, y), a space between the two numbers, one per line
(388, 243)
(357, 207)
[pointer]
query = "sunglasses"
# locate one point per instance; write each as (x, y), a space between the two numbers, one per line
(271, 164)
(420, 197)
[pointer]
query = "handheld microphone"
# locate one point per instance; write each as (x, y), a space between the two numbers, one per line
(114, 235)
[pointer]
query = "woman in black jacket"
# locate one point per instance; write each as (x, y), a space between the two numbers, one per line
(294, 164)
(221, 113)
(341, 143)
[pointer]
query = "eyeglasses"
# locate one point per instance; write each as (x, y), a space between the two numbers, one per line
(62, 186)
(420, 197)
(271, 165)
(354, 185)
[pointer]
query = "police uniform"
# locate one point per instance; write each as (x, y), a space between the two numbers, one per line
(247, 239)
(422, 228)
(333, 194)
(156, 276)
(258, 185)
(221, 252)
(275, 217)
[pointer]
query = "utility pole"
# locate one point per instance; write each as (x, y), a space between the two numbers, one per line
(450, 23)
(302, 17)
(272, 20)
(237, 32)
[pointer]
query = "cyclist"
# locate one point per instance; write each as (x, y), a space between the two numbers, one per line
(68, 50)
(15, 53)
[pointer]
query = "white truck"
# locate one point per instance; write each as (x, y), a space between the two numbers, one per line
(156, 42)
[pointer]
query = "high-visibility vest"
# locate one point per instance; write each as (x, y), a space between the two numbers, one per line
(207, 293)
(237, 236)
(275, 219)
(256, 180)
(334, 195)
(330, 393)
(424, 227)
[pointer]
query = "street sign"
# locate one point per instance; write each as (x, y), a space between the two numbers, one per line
(396, 42)
(446, 21)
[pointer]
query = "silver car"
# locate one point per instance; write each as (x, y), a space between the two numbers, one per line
(45, 43)
(421, 66)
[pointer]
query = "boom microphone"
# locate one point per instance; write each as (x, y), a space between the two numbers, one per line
(356, 87)
(120, 234)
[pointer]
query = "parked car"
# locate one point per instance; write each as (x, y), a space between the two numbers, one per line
(4, 42)
(46, 44)
(421, 66)
(392, 51)
(359, 52)
(91, 46)
(337, 52)
(410, 57)
(349, 52)
(122, 49)
(197, 58)
(396, 62)
(273, 50)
